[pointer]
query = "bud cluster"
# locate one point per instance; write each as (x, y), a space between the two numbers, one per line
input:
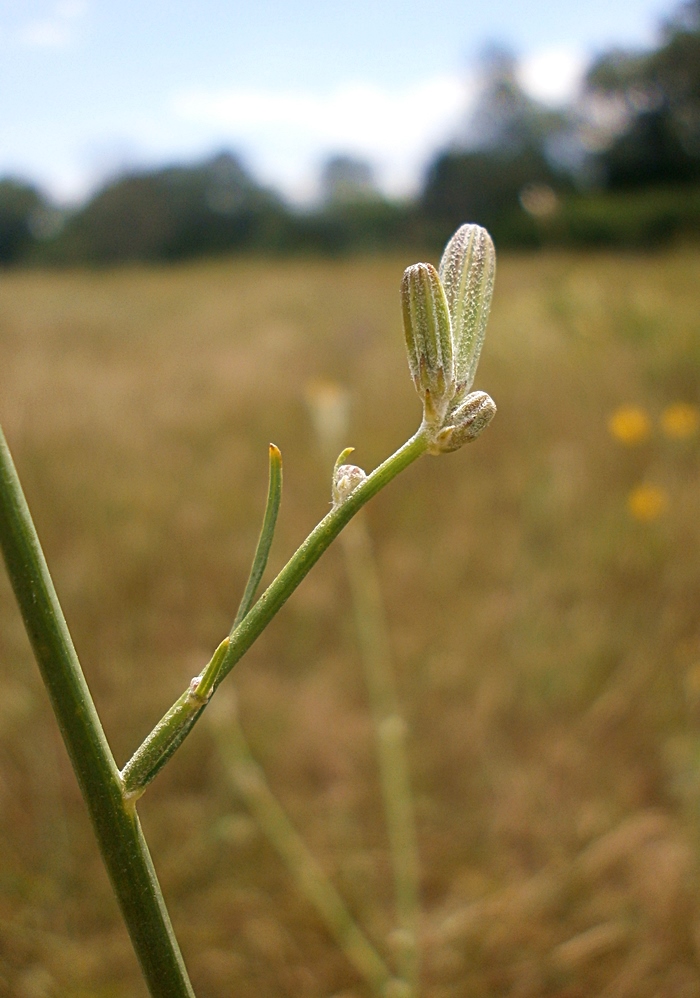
(445, 312)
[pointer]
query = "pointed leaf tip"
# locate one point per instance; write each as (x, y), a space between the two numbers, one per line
(342, 457)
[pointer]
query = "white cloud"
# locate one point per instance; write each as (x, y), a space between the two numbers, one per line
(397, 130)
(57, 30)
(71, 9)
(553, 75)
(46, 34)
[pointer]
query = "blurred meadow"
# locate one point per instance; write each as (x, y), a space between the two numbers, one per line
(542, 591)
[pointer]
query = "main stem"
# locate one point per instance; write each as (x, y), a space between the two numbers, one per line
(113, 816)
(180, 719)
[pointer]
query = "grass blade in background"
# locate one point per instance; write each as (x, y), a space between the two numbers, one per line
(329, 405)
(390, 734)
(249, 780)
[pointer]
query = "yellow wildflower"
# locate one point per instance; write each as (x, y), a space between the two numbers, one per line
(680, 420)
(629, 425)
(647, 502)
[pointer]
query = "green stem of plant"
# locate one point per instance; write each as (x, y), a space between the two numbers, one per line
(114, 818)
(180, 719)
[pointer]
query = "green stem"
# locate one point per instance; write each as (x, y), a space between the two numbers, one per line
(180, 719)
(114, 819)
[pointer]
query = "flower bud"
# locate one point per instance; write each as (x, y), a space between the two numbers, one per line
(467, 421)
(346, 478)
(467, 271)
(426, 320)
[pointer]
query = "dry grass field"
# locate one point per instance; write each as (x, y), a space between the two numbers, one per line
(542, 590)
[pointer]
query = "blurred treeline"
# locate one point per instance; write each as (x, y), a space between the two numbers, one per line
(620, 166)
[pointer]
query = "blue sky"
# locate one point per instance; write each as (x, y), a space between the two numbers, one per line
(90, 86)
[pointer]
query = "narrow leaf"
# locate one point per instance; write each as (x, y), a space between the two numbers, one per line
(342, 459)
(202, 688)
(274, 497)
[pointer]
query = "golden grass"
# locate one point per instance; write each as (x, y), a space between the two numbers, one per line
(548, 642)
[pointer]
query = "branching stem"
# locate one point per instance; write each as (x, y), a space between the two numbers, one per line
(109, 795)
(179, 720)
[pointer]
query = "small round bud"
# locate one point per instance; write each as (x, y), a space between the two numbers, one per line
(346, 479)
(467, 421)
(194, 690)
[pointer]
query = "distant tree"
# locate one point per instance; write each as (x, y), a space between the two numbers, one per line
(505, 118)
(504, 154)
(656, 97)
(354, 216)
(20, 208)
(172, 213)
(345, 179)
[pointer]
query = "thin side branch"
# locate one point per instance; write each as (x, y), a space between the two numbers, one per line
(177, 723)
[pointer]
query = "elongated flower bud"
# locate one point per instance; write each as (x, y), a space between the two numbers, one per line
(466, 423)
(426, 320)
(467, 271)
